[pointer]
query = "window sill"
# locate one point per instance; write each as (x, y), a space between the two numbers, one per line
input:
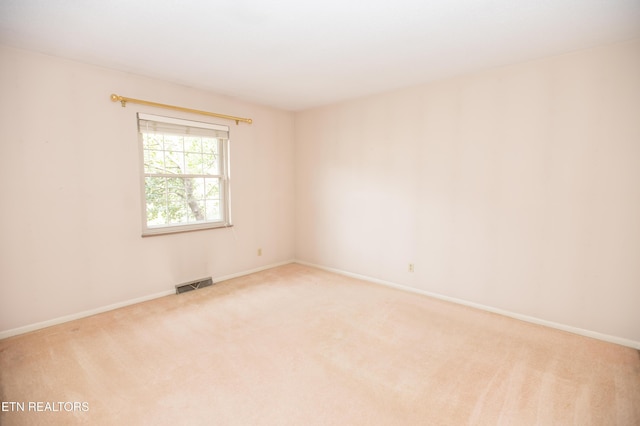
(154, 232)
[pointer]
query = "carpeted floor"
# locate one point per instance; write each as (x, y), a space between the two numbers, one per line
(298, 346)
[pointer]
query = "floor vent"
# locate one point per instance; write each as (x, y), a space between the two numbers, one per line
(193, 285)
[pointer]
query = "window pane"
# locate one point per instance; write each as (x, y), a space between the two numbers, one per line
(211, 164)
(196, 210)
(153, 161)
(173, 143)
(193, 163)
(177, 213)
(210, 145)
(194, 192)
(212, 188)
(213, 210)
(193, 144)
(159, 219)
(151, 141)
(173, 162)
(175, 187)
(198, 188)
(156, 195)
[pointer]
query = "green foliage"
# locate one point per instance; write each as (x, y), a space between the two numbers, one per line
(182, 179)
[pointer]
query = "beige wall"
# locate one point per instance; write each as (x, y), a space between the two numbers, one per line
(516, 188)
(70, 215)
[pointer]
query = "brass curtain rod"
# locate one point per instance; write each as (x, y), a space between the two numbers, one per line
(123, 100)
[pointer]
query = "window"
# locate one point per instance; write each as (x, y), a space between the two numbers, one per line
(185, 174)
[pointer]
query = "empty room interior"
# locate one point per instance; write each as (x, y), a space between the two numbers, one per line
(330, 213)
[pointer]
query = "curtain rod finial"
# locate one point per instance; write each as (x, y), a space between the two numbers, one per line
(116, 98)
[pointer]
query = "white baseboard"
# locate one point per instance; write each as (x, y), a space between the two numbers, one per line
(78, 315)
(251, 271)
(90, 312)
(575, 330)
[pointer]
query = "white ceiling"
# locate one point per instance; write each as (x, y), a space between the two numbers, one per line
(296, 54)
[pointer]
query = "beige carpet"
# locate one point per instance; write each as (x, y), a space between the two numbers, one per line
(299, 346)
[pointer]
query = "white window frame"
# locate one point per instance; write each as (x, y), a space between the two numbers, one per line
(224, 176)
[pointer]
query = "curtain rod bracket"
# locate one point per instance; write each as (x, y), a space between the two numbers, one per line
(123, 102)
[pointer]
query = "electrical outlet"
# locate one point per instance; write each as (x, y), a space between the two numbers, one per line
(259, 252)
(411, 267)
